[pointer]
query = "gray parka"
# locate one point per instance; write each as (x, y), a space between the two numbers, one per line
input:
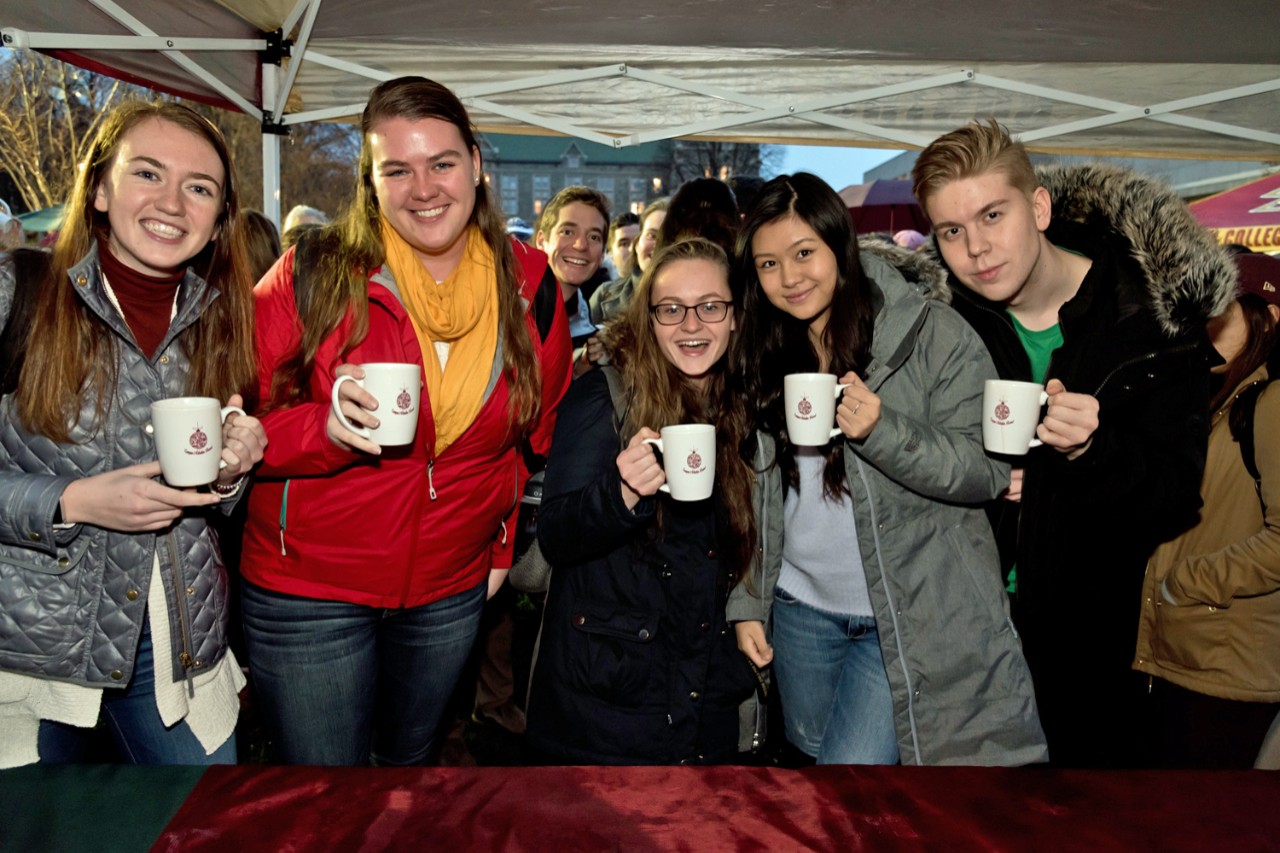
(72, 600)
(962, 692)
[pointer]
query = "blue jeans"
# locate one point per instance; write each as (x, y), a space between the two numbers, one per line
(134, 722)
(335, 678)
(835, 693)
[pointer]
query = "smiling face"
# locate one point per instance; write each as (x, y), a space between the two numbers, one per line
(425, 180)
(647, 242)
(575, 244)
(162, 194)
(693, 346)
(624, 240)
(991, 235)
(797, 270)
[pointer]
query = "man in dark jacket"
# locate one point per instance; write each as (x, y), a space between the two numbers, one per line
(1097, 283)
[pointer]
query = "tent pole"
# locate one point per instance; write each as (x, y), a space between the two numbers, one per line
(271, 133)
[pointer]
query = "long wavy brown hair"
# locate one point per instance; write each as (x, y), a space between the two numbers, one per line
(660, 394)
(70, 353)
(344, 253)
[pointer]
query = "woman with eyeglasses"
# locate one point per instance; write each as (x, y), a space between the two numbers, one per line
(636, 663)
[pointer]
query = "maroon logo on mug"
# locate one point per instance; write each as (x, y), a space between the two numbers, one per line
(199, 442)
(404, 400)
(694, 461)
(1002, 414)
(804, 409)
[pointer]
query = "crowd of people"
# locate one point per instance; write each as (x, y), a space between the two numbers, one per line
(724, 587)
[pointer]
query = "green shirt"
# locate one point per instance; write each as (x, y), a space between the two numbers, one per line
(1040, 347)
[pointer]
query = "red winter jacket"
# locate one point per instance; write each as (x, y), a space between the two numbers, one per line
(402, 529)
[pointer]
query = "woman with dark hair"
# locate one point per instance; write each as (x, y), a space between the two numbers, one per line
(366, 567)
(113, 590)
(636, 663)
(703, 207)
(1209, 632)
(878, 573)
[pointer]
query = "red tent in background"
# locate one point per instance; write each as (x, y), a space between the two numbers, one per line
(884, 206)
(1248, 215)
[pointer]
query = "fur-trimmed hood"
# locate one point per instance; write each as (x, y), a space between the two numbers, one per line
(1189, 277)
(920, 268)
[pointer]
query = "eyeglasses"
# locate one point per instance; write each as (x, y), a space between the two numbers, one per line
(673, 313)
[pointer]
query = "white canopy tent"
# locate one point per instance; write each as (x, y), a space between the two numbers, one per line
(1156, 78)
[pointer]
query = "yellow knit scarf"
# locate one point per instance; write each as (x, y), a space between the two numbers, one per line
(462, 311)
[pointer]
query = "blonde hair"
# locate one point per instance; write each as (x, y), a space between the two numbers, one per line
(977, 148)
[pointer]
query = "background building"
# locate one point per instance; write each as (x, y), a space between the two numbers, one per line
(524, 172)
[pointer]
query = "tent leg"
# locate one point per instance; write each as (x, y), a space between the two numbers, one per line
(271, 132)
(271, 177)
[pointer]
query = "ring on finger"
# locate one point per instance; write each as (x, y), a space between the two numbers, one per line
(856, 406)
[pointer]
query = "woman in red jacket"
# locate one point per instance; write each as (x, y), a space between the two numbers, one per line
(366, 567)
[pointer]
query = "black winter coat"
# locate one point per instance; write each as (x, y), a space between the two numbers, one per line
(636, 663)
(1133, 337)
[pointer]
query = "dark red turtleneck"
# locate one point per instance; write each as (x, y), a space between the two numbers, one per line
(145, 300)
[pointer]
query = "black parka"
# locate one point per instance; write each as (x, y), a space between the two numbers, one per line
(636, 663)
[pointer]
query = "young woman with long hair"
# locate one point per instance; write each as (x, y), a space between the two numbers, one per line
(114, 594)
(878, 575)
(636, 663)
(366, 568)
(1209, 633)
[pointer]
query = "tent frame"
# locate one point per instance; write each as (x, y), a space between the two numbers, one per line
(274, 47)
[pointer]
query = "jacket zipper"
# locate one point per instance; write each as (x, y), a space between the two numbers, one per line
(284, 506)
(184, 618)
(1139, 358)
(431, 483)
(757, 736)
(893, 617)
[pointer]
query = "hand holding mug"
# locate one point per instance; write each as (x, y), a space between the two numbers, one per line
(188, 444)
(859, 409)
(129, 499)
(688, 460)
(243, 442)
(1072, 419)
(394, 389)
(810, 400)
(638, 466)
(1010, 414)
(351, 404)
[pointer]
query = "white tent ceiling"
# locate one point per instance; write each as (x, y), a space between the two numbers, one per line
(1175, 78)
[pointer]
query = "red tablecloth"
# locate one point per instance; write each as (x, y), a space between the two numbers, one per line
(726, 808)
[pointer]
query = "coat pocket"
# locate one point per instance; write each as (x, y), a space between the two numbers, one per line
(615, 652)
(62, 562)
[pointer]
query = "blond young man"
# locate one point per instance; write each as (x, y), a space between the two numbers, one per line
(1097, 283)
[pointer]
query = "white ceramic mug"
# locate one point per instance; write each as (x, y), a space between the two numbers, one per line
(810, 399)
(188, 436)
(688, 459)
(1010, 414)
(398, 389)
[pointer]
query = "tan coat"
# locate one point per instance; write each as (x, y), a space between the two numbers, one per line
(1214, 627)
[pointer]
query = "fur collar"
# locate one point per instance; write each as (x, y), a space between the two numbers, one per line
(922, 269)
(1190, 278)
